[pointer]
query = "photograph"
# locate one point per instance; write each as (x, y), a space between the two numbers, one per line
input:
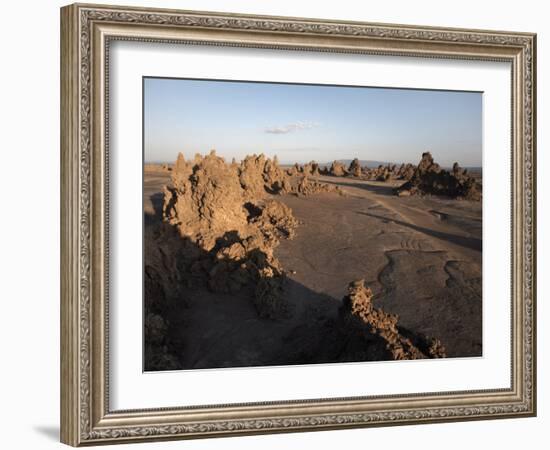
(294, 224)
(275, 222)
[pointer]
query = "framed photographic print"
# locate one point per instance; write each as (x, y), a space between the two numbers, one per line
(276, 224)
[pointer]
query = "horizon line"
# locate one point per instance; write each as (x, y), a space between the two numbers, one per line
(282, 163)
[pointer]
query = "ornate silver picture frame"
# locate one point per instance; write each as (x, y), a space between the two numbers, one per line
(87, 32)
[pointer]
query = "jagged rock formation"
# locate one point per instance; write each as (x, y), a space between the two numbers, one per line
(275, 220)
(229, 227)
(310, 169)
(206, 199)
(251, 176)
(430, 178)
(337, 169)
(293, 171)
(355, 168)
(405, 172)
(387, 172)
(309, 187)
(220, 209)
(259, 176)
(361, 315)
(383, 173)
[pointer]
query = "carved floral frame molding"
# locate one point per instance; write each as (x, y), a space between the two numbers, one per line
(86, 31)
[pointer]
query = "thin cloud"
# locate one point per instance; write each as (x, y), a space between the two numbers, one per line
(291, 127)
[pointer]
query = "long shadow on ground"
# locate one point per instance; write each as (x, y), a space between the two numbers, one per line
(377, 189)
(463, 241)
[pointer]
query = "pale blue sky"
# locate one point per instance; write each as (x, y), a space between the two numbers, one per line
(299, 123)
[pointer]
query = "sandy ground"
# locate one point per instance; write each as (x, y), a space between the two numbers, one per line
(420, 256)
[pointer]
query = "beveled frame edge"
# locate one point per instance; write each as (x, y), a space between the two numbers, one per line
(85, 32)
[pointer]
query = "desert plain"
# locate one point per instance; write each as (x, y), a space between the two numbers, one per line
(252, 263)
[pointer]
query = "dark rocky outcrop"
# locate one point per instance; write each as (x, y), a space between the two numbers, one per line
(405, 172)
(364, 320)
(430, 179)
(354, 168)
